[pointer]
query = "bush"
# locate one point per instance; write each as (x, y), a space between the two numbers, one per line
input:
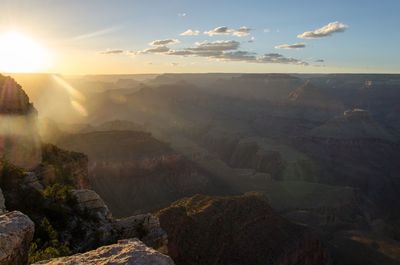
(46, 245)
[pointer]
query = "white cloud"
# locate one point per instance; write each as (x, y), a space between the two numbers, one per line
(240, 32)
(325, 31)
(291, 46)
(319, 61)
(190, 32)
(182, 15)
(164, 42)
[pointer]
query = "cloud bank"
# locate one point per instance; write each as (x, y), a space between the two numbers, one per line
(325, 31)
(227, 50)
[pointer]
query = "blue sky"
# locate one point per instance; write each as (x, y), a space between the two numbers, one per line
(80, 32)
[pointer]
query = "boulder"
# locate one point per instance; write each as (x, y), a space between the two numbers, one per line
(16, 234)
(91, 201)
(127, 252)
(146, 227)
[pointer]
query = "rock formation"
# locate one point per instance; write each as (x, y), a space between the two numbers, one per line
(236, 230)
(125, 252)
(91, 201)
(353, 124)
(2, 203)
(16, 233)
(19, 139)
(146, 227)
(140, 163)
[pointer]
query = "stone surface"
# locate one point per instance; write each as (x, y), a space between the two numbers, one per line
(127, 252)
(90, 200)
(16, 233)
(146, 227)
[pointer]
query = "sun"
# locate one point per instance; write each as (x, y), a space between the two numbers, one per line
(19, 53)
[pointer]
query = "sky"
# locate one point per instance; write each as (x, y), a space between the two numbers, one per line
(149, 36)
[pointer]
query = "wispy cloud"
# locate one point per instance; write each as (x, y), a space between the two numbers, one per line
(251, 40)
(164, 42)
(190, 32)
(291, 46)
(240, 32)
(97, 33)
(112, 52)
(280, 59)
(157, 49)
(182, 14)
(325, 31)
(319, 61)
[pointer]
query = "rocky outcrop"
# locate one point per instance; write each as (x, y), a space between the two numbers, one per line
(143, 226)
(127, 252)
(16, 233)
(236, 230)
(62, 166)
(13, 99)
(146, 227)
(91, 201)
(19, 139)
(2, 203)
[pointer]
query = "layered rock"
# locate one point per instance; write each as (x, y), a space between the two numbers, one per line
(125, 166)
(19, 139)
(236, 230)
(16, 233)
(353, 124)
(312, 96)
(127, 252)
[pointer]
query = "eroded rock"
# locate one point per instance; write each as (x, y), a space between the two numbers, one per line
(16, 233)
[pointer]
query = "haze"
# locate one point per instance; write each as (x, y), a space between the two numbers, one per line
(199, 132)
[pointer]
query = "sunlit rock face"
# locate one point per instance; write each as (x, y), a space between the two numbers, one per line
(19, 138)
(127, 252)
